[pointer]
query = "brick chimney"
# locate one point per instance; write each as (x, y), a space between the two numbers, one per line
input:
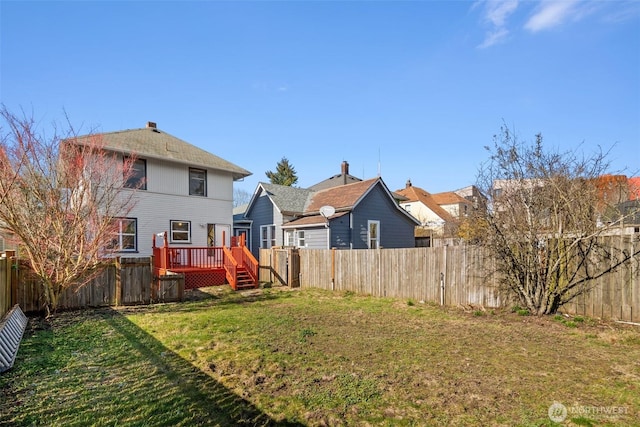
(151, 125)
(345, 171)
(408, 184)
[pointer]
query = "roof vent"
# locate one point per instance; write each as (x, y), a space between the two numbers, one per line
(152, 125)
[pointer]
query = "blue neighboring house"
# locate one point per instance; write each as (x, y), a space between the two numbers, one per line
(363, 215)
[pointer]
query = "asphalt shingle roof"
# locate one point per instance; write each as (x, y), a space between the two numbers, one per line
(151, 142)
(415, 194)
(287, 199)
(344, 196)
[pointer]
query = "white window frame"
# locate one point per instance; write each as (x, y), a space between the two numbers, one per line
(267, 236)
(300, 239)
(120, 234)
(373, 242)
(289, 236)
(182, 227)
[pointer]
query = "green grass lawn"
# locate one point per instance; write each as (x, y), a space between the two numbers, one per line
(310, 357)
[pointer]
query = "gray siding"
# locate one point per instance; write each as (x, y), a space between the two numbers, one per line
(396, 229)
(315, 238)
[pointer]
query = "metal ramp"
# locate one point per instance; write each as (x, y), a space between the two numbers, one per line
(11, 329)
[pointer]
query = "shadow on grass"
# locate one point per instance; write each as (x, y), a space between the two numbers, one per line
(214, 400)
(222, 295)
(98, 368)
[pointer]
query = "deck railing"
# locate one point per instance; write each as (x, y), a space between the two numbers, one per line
(168, 258)
(250, 263)
(183, 259)
(230, 267)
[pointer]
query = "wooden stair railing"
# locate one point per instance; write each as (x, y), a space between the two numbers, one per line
(250, 263)
(230, 267)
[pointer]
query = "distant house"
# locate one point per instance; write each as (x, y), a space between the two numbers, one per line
(363, 214)
(634, 188)
(422, 205)
(343, 178)
(456, 205)
(181, 189)
(270, 207)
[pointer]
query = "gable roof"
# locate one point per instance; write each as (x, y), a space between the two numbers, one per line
(449, 198)
(416, 194)
(288, 200)
(151, 142)
(634, 188)
(335, 180)
(343, 178)
(306, 203)
(346, 197)
(341, 197)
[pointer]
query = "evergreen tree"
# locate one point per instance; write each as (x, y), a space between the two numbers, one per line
(285, 174)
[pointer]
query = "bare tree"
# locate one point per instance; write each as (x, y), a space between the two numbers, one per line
(64, 203)
(548, 221)
(240, 197)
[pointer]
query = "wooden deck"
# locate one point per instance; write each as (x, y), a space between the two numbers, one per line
(207, 266)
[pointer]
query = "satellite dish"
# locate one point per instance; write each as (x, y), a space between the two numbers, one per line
(327, 211)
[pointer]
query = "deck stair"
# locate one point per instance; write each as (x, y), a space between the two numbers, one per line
(205, 266)
(244, 279)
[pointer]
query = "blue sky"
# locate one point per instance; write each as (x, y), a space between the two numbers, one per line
(413, 89)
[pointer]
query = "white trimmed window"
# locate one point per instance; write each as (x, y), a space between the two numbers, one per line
(267, 236)
(180, 231)
(373, 234)
(125, 237)
(290, 238)
(295, 238)
(301, 241)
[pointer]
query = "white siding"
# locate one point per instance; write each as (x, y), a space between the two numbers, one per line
(171, 178)
(167, 198)
(422, 213)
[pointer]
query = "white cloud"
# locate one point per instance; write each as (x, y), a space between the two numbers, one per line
(553, 13)
(494, 37)
(496, 14)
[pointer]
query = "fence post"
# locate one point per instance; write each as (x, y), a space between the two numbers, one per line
(12, 281)
(118, 282)
(443, 275)
(333, 269)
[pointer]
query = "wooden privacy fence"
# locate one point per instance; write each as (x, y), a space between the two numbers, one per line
(280, 265)
(449, 275)
(125, 281)
(6, 300)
